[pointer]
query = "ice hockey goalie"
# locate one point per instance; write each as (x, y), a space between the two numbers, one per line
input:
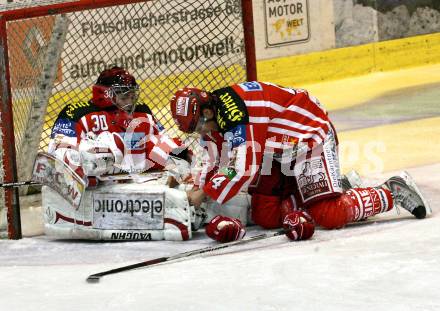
(131, 207)
(115, 144)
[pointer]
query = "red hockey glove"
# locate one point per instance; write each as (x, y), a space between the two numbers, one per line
(225, 229)
(298, 225)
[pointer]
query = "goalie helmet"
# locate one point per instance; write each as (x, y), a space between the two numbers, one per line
(115, 86)
(186, 106)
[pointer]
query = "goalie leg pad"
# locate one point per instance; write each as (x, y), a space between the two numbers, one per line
(121, 213)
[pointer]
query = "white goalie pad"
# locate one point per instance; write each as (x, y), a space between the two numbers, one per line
(120, 211)
(237, 207)
(48, 170)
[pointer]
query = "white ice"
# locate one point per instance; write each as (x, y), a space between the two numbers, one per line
(387, 265)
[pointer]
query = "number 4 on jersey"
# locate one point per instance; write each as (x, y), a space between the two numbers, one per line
(217, 182)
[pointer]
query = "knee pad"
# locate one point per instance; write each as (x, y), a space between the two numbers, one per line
(333, 213)
(266, 211)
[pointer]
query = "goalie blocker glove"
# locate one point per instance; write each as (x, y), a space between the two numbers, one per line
(225, 229)
(298, 225)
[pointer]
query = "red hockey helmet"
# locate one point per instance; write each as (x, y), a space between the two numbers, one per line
(112, 83)
(186, 106)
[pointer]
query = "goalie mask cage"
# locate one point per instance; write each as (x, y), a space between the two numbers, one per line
(51, 53)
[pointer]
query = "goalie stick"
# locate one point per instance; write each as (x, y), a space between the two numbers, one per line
(94, 278)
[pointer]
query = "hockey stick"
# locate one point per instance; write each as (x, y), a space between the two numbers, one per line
(18, 184)
(94, 278)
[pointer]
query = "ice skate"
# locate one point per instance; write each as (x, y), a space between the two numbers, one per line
(407, 195)
(351, 180)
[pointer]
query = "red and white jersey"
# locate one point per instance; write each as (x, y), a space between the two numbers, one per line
(146, 145)
(257, 118)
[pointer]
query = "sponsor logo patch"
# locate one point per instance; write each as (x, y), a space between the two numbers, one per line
(232, 110)
(288, 140)
(121, 211)
(332, 160)
(73, 107)
(236, 136)
(251, 86)
(182, 106)
(129, 236)
(131, 140)
(64, 127)
(229, 172)
(312, 180)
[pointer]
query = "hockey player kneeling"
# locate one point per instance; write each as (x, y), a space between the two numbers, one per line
(279, 145)
(112, 134)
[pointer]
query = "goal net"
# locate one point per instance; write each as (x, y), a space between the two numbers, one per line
(51, 52)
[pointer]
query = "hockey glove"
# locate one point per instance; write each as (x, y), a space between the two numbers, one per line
(225, 229)
(178, 168)
(298, 225)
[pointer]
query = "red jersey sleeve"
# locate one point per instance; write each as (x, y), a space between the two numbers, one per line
(246, 143)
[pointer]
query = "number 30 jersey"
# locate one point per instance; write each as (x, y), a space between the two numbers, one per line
(146, 144)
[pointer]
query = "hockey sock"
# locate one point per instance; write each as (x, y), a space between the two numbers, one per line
(369, 202)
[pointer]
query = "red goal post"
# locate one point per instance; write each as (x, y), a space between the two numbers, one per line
(51, 52)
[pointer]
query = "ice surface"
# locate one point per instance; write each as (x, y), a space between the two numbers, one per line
(387, 265)
(391, 265)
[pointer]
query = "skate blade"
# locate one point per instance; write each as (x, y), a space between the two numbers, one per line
(409, 180)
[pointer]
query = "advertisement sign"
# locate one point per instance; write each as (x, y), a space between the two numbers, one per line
(286, 22)
(60, 177)
(122, 211)
(165, 39)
